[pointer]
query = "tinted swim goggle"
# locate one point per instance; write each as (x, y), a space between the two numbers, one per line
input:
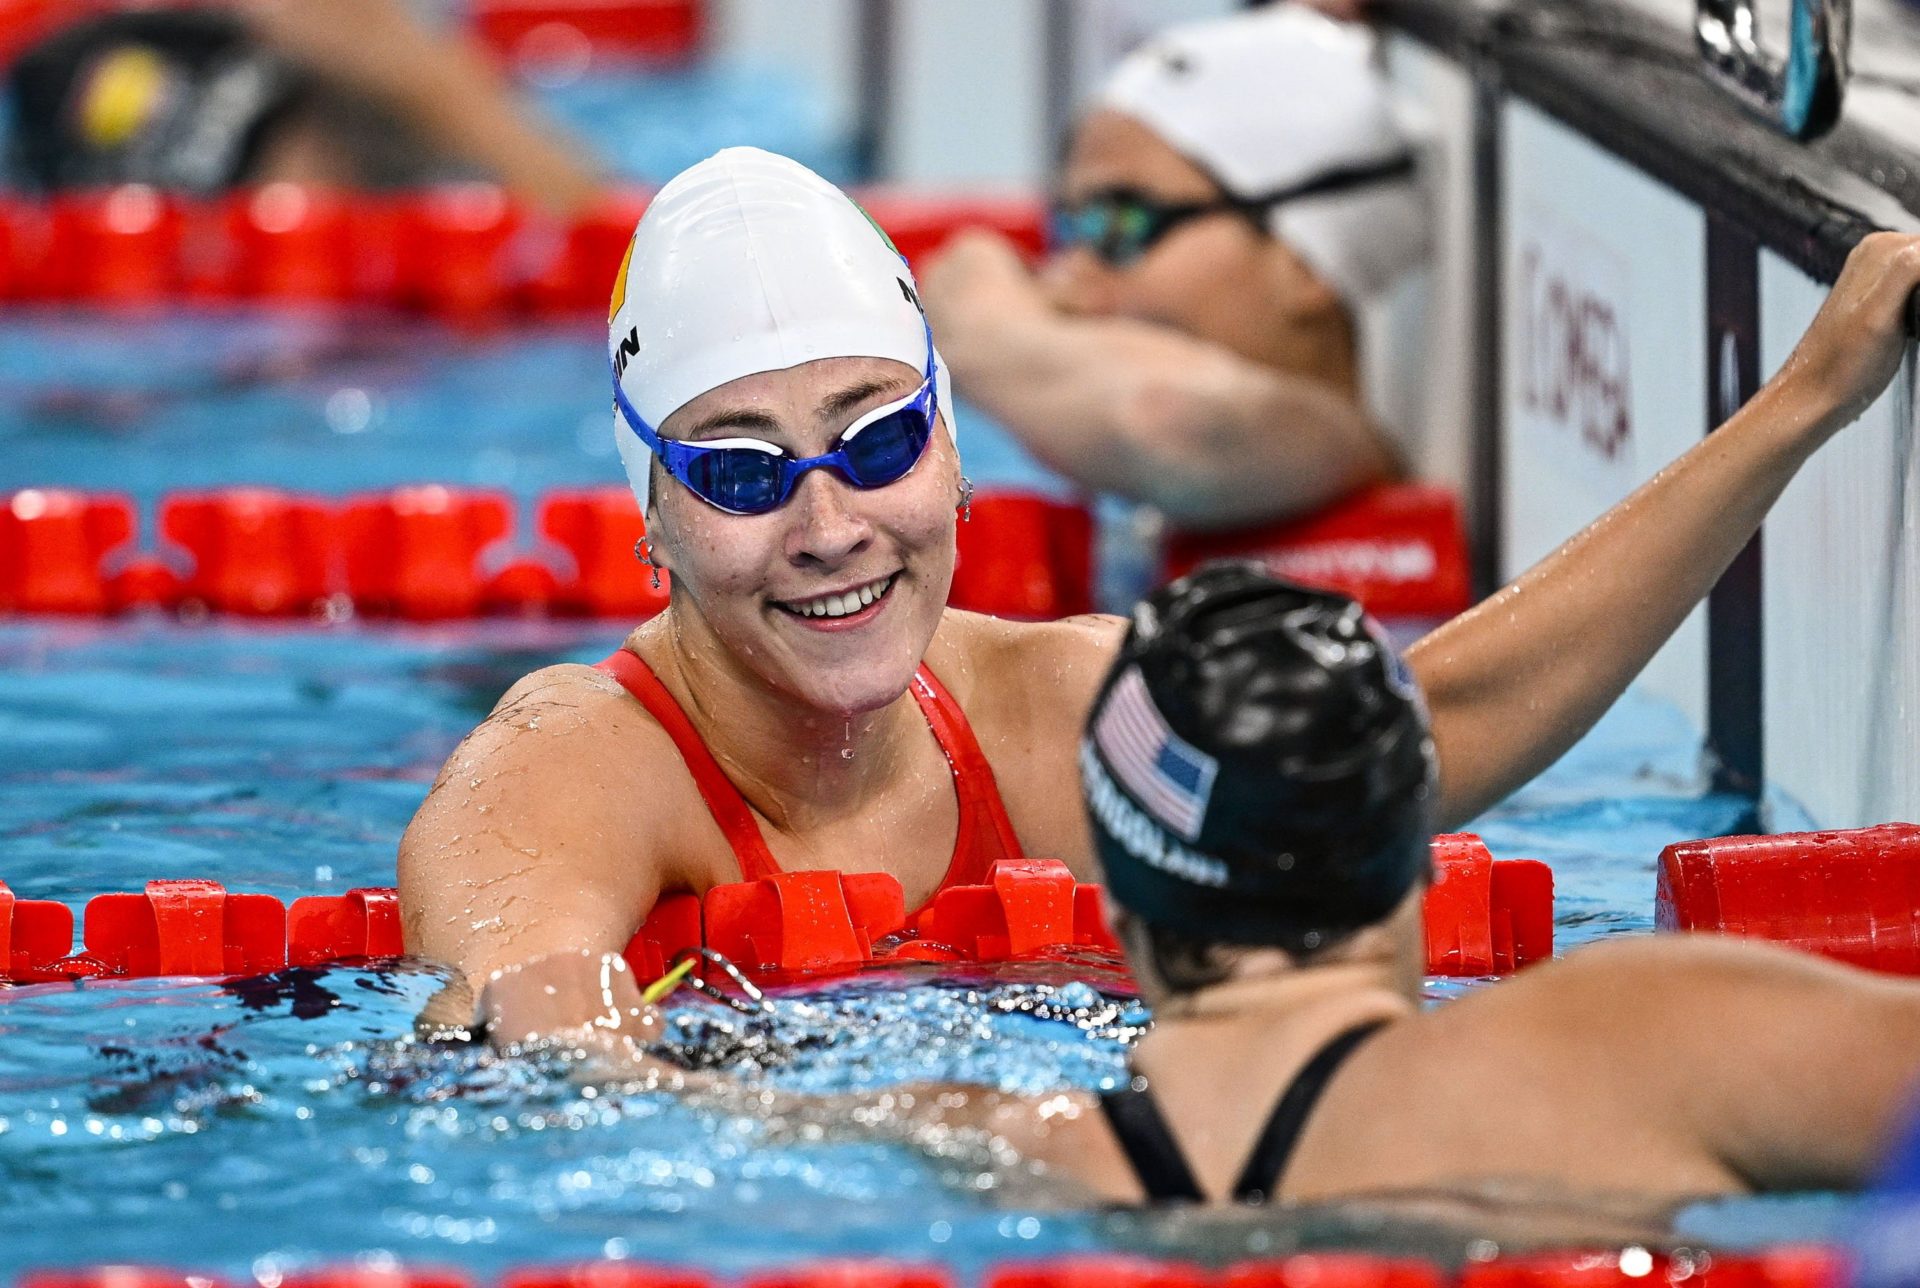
(1119, 225)
(749, 476)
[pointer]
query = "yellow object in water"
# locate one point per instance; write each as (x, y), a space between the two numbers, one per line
(126, 89)
(668, 982)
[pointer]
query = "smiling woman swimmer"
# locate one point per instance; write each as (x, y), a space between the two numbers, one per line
(1273, 920)
(808, 701)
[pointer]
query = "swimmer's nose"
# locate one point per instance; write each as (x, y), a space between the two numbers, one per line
(1080, 284)
(828, 525)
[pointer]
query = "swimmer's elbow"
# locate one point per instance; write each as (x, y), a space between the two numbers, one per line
(1253, 452)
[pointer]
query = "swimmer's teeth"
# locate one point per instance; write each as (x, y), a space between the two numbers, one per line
(843, 605)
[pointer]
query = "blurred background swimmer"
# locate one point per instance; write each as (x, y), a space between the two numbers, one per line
(1239, 193)
(337, 92)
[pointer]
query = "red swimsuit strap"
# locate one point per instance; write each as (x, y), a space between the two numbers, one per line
(723, 799)
(985, 836)
(986, 833)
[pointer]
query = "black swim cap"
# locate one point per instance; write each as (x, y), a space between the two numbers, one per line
(177, 99)
(1258, 767)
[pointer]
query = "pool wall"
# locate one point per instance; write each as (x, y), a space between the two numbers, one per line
(1643, 256)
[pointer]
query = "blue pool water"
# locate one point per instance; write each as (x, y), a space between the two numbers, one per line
(255, 1126)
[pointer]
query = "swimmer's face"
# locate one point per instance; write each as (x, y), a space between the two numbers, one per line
(1217, 277)
(739, 580)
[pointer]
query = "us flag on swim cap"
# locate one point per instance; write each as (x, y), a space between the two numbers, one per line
(1170, 777)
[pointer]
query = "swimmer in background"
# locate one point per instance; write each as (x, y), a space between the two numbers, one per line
(1240, 192)
(350, 93)
(1269, 901)
(808, 701)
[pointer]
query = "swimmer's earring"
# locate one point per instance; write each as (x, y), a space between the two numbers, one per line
(643, 551)
(966, 499)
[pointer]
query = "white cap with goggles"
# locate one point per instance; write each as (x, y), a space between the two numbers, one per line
(1279, 101)
(750, 262)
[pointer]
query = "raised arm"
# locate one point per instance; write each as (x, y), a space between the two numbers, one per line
(1144, 411)
(530, 854)
(1516, 681)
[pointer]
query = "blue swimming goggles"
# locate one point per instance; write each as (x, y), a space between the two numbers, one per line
(748, 476)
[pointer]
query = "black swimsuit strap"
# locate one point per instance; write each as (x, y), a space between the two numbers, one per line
(1134, 1115)
(1260, 1180)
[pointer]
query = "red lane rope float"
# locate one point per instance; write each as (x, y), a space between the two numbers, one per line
(790, 926)
(537, 31)
(465, 252)
(849, 1273)
(32, 931)
(1333, 1270)
(1788, 1266)
(1850, 895)
(1024, 556)
(605, 1274)
(1783, 1267)
(52, 548)
(1097, 1271)
(428, 553)
(1486, 916)
(1400, 549)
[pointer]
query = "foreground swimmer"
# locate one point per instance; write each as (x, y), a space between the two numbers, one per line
(807, 701)
(1269, 900)
(1273, 919)
(1239, 195)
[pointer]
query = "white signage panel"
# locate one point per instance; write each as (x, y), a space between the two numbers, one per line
(1840, 560)
(1603, 363)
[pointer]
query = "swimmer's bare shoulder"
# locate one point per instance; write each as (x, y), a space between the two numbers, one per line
(1027, 688)
(544, 830)
(1729, 1060)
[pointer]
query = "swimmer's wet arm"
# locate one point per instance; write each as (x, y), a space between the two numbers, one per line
(440, 84)
(608, 1022)
(1790, 1071)
(1123, 406)
(531, 843)
(1517, 680)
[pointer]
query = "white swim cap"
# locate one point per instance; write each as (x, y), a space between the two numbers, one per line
(750, 262)
(1268, 100)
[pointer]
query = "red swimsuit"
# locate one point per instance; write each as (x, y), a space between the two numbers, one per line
(986, 834)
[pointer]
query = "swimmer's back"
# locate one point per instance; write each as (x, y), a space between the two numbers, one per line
(1664, 1066)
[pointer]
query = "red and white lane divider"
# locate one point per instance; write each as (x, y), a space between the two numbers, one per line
(1483, 917)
